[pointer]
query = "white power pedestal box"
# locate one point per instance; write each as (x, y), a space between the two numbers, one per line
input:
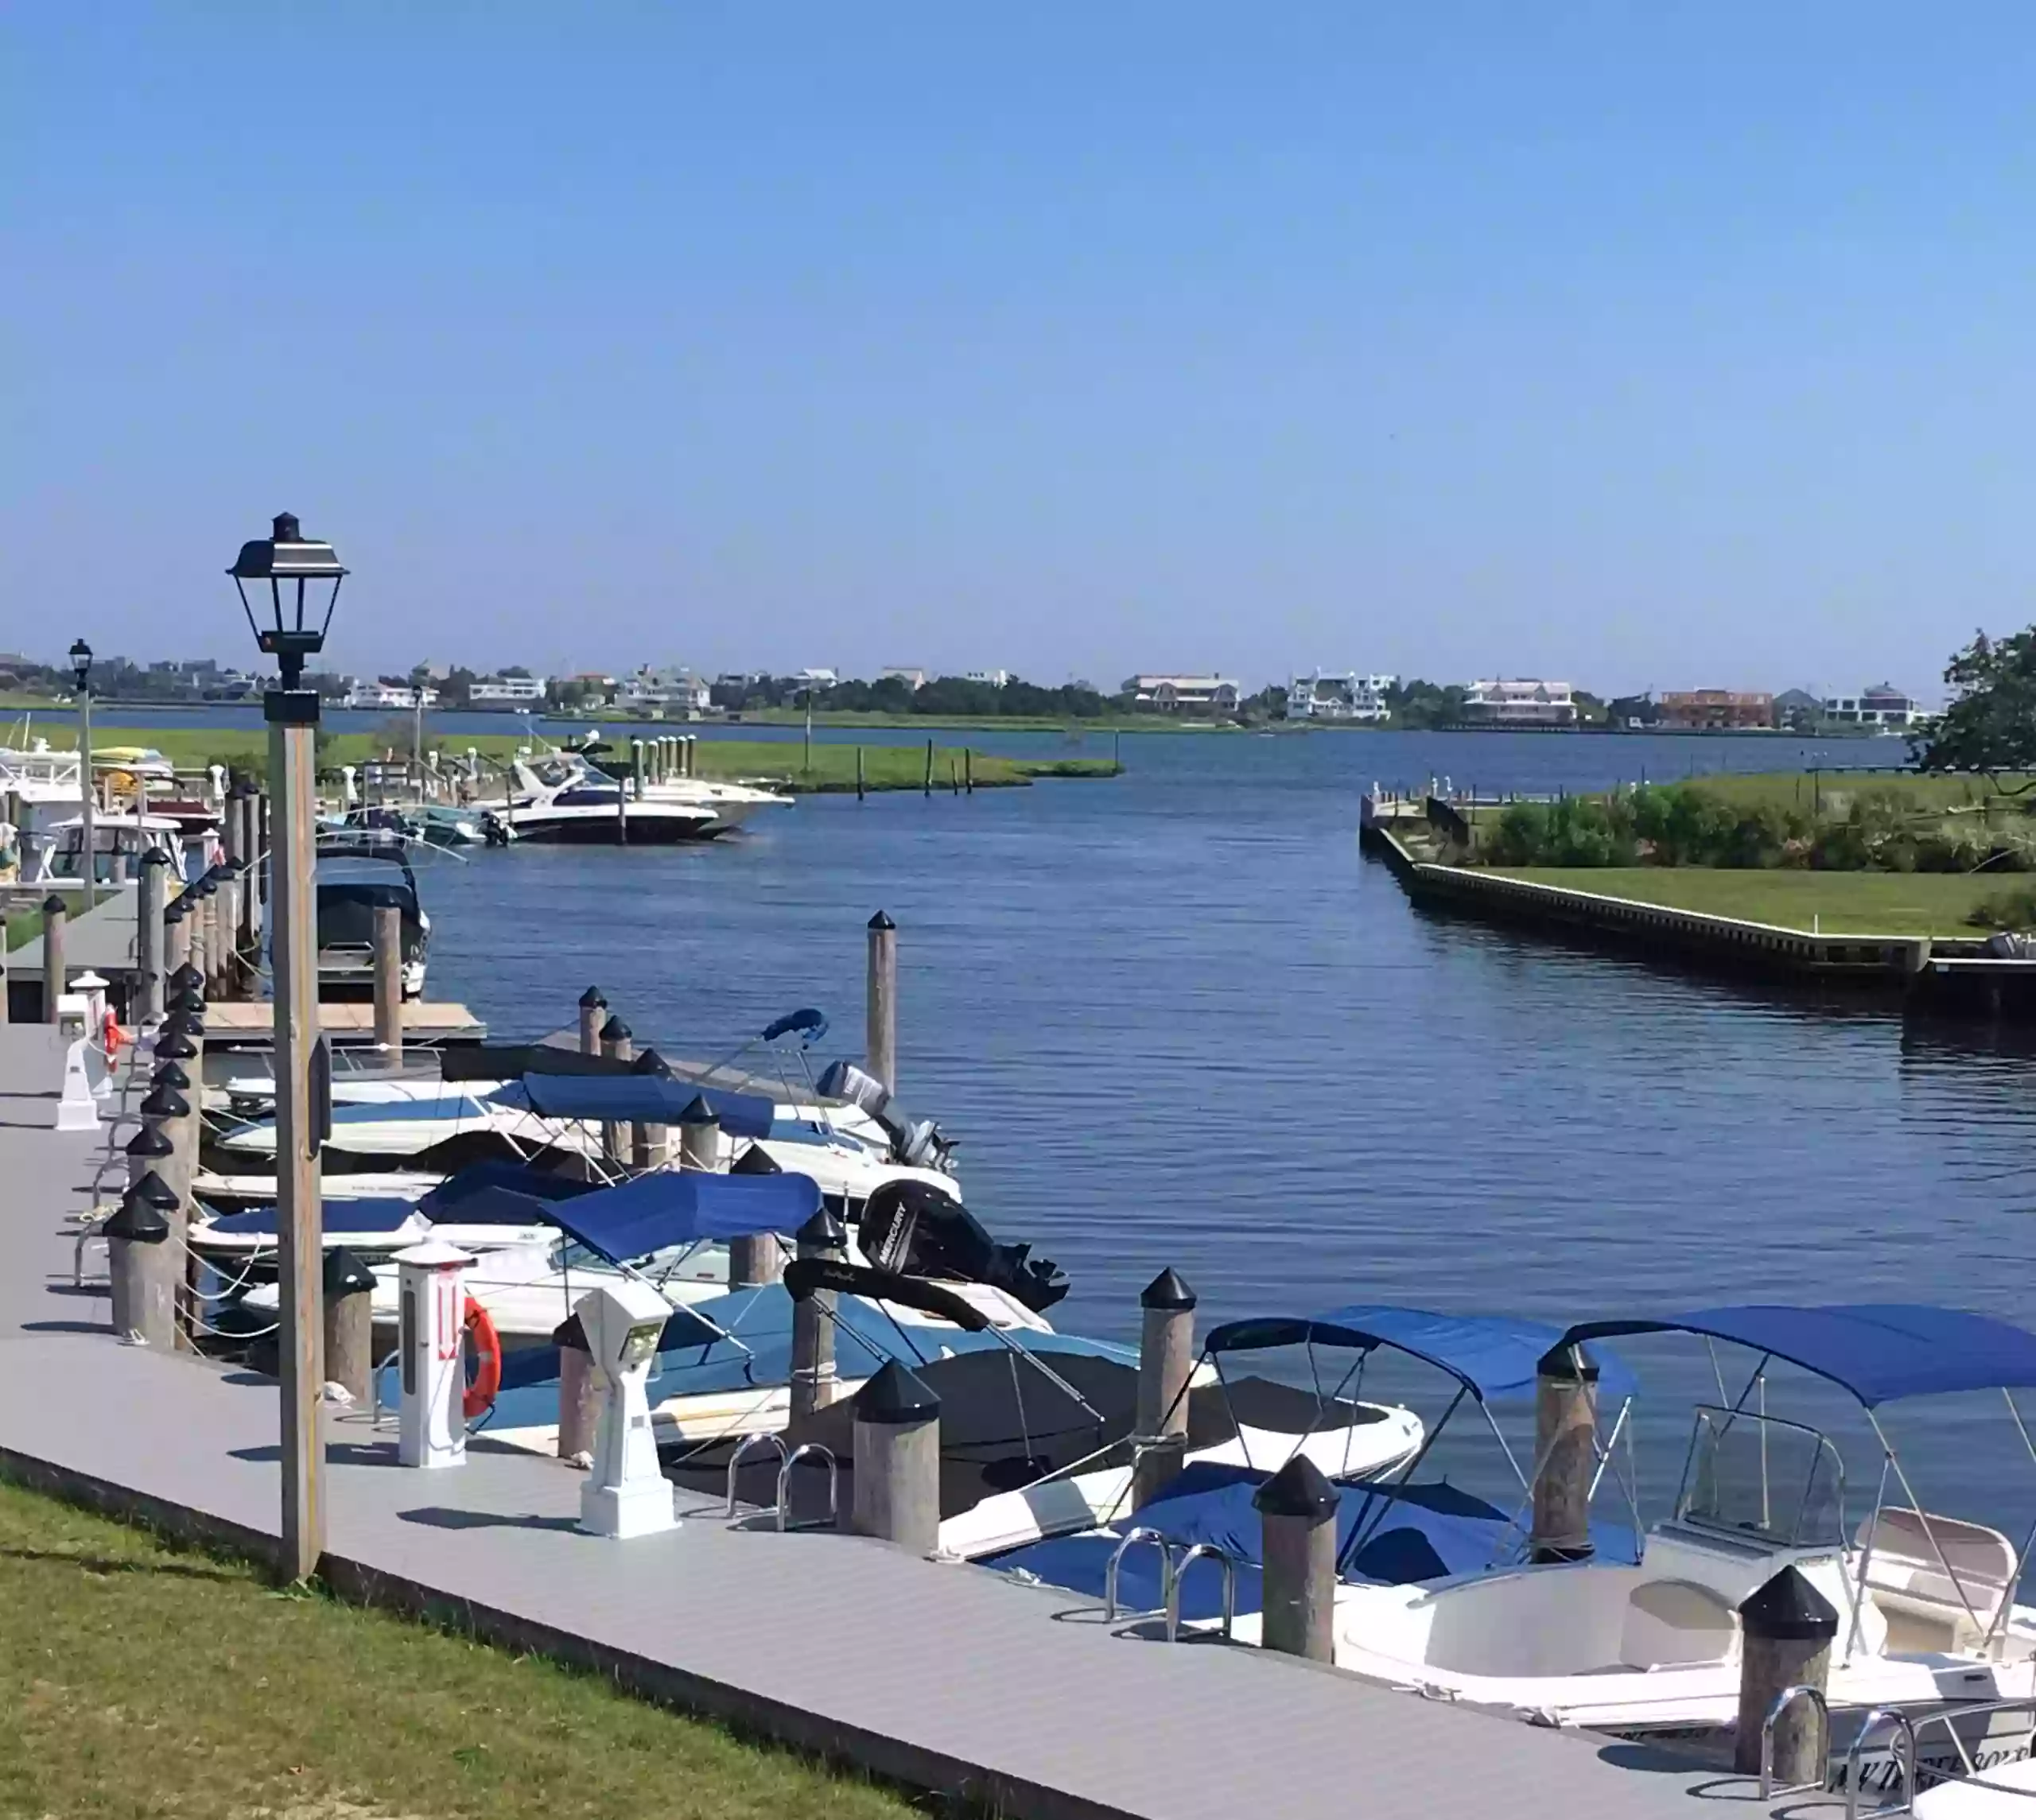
(625, 1494)
(431, 1324)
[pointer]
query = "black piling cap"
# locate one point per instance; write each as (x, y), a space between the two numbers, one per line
(1566, 1365)
(141, 1218)
(149, 1141)
(345, 1275)
(881, 920)
(895, 1398)
(698, 1113)
(568, 1336)
(164, 1101)
(591, 999)
(1789, 1608)
(170, 1074)
(650, 1062)
(1298, 1489)
(187, 978)
(173, 912)
(185, 998)
(54, 906)
(177, 1046)
(155, 856)
(1168, 1290)
(182, 1023)
(616, 1030)
(756, 1161)
(824, 1231)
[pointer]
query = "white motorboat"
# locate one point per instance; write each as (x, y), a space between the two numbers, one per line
(358, 875)
(1639, 1636)
(121, 841)
(560, 797)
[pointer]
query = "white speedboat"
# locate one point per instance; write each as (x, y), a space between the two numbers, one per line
(359, 874)
(1644, 1642)
(560, 797)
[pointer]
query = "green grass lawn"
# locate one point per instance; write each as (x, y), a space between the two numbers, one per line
(1862, 904)
(1833, 792)
(137, 1680)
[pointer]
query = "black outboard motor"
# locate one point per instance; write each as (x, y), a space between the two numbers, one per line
(915, 1143)
(913, 1228)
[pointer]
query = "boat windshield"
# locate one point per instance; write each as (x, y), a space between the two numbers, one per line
(1761, 1479)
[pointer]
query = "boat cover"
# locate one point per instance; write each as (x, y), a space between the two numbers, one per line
(368, 1214)
(683, 1207)
(644, 1099)
(496, 1191)
(1879, 1351)
(1427, 1532)
(1493, 1356)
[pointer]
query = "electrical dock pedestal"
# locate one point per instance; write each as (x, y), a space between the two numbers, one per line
(625, 1493)
(431, 1321)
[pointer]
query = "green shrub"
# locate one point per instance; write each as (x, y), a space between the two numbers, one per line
(2012, 908)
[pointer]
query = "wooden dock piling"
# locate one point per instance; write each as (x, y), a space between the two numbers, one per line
(699, 1135)
(1566, 1454)
(617, 1045)
(594, 1014)
(1786, 1627)
(1166, 1359)
(813, 1384)
(149, 935)
(388, 964)
(140, 1261)
(56, 915)
(859, 774)
(349, 1309)
(897, 1494)
(580, 1391)
(1297, 1509)
(880, 1003)
(928, 768)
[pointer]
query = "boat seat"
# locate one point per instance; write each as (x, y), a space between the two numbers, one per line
(1677, 1624)
(1905, 1574)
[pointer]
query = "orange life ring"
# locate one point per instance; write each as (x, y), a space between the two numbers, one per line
(485, 1346)
(114, 1036)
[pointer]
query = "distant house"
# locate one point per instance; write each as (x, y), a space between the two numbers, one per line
(1519, 701)
(912, 677)
(498, 692)
(989, 678)
(658, 690)
(818, 678)
(1184, 694)
(1716, 710)
(1347, 697)
(1882, 706)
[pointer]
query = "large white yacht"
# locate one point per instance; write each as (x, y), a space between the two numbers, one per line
(560, 797)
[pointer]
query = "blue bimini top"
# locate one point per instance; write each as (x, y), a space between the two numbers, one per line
(1879, 1351)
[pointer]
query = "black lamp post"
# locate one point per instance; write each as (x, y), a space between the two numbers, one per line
(288, 584)
(81, 667)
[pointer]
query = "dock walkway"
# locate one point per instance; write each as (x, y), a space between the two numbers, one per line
(944, 1677)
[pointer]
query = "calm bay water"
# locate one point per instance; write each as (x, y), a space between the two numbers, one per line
(1178, 1020)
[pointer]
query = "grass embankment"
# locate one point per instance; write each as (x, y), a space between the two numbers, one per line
(1834, 903)
(139, 1680)
(833, 765)
(1851, 853)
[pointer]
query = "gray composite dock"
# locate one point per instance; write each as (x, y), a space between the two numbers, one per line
(946, 1677)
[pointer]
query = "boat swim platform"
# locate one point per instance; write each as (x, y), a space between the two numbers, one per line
(940, 1678)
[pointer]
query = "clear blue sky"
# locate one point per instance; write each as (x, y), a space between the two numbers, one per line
(1639, 344)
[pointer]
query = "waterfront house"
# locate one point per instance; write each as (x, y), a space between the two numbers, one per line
(1519, 701)
(989, 678)
(660, 690)
(1883, 706)
(1182, 694)
(1344, 696)
(1717, 710)
(506, 692)
(1798, 710)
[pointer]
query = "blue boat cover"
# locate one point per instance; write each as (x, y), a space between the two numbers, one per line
(681, 1207)
(1426, 1532)
(1493, 1356)
(1879, 1351)
(369, 1215)
(645, 1099)
(498, 1192)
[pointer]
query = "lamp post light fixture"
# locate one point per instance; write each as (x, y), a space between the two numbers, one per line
(81, 667)
(290, 577)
